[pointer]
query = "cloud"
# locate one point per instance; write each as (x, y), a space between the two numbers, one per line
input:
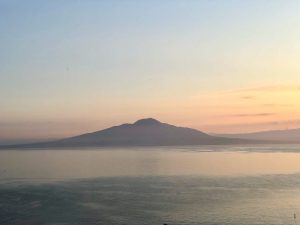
(284, 123)
(277, 105)
(252, 115)
(254, 127)
(248, 97)
(271, 88)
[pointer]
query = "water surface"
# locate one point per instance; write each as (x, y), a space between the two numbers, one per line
(207, 161)
(186, 185)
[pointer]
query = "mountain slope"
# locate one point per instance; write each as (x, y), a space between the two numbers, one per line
(287, 136)
(144, 132)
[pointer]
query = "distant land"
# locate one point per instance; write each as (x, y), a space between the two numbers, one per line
(144, 132)
(284, 136)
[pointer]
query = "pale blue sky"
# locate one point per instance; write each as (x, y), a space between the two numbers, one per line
(103, 62)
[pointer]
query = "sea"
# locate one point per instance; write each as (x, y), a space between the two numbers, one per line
(186, 185)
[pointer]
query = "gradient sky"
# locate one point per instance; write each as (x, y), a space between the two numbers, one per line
(68, 67)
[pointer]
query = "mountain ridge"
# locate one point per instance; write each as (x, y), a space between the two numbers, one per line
(284, 136)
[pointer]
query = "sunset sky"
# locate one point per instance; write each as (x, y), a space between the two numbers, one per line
(69, 67)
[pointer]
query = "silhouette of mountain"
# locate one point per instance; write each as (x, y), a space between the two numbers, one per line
(144, 132)
(283, 136)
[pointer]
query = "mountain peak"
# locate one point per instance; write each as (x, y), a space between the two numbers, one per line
(147, 121)
(144, 132)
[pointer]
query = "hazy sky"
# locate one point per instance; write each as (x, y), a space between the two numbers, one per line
(68, 67)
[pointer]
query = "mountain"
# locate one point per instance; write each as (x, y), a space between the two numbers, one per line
(284, 136)
(144, 132)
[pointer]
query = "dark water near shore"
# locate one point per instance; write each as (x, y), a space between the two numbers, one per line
(151, 186)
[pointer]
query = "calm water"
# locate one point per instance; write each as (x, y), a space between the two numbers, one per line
(186, 185)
